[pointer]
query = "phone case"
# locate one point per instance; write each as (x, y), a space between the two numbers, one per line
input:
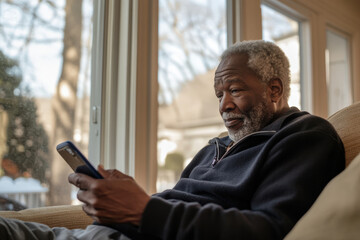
(76, 160)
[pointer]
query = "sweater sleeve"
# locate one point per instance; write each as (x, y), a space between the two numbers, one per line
(297, 168)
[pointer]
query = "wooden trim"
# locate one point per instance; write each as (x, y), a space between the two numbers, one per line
(233, 16)
(251, 20)
(146, 91)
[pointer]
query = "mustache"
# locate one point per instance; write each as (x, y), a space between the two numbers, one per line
(229, 115)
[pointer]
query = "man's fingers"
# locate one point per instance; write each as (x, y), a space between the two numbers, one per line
(103, 172)
(79, 180)
(112, 173)
(89, 210)
(85, 196)
(98, 215)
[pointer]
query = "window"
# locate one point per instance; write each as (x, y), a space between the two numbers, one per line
(338, 77)
(45, 53)
(284, 31)
(192, 35)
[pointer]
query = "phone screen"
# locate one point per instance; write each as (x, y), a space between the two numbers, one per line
(76, 160)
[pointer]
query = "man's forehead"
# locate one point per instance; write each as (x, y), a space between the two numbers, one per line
(233, 62)
(232, 65)
(221, 82)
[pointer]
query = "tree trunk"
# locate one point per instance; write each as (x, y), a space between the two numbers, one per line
(64, 102)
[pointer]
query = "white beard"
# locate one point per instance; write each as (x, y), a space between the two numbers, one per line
(253, 121)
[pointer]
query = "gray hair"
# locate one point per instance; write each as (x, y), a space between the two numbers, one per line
(266, 59)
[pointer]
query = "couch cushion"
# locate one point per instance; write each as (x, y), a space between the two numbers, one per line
(336, 213)
(346, 124)
(57, 216)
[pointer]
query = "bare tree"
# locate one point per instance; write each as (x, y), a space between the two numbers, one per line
(64, 101)
(190, 42)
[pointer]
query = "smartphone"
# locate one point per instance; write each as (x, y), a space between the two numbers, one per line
(76, 160)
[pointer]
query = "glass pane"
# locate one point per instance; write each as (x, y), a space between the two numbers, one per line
(338, 72)
(45, 51)
(192, 35)
(284, 31)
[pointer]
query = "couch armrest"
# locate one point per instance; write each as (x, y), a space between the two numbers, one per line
(69, 216)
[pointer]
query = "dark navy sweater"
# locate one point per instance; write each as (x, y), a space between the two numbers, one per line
(258, 189)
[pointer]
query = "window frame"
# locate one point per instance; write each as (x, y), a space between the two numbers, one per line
(340, 33)
(306, 88)
(96, 83)
(125, 74)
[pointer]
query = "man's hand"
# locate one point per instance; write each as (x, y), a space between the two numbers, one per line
(115, 199)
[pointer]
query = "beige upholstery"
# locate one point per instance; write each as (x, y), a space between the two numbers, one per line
(347, 124)
(68, 216)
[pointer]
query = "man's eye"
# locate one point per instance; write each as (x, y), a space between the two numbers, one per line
(234, 91)
(219, 96)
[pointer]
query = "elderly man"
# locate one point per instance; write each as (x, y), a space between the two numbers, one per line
(255, 183)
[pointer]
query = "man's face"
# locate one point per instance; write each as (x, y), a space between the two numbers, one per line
(243, 98)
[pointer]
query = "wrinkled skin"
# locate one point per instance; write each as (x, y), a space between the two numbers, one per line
(115, 199)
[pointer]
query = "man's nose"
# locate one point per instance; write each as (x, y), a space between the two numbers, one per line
(226, 103)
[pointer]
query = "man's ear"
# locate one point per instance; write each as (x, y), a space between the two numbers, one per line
(275, 86)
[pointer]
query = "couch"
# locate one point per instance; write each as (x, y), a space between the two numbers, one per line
(334, 215)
